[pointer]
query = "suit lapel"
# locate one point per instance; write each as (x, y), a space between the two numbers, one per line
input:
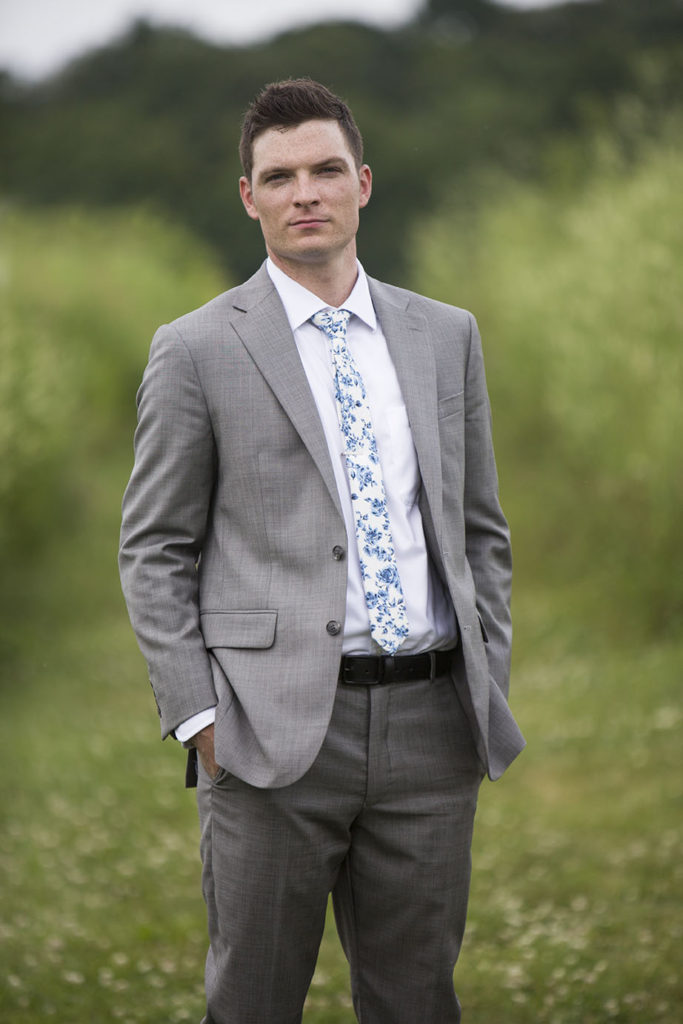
(412, 353)
(262, 325)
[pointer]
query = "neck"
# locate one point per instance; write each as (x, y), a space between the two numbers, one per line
(333, 282)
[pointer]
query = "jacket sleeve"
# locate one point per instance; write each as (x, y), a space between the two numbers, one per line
(165, 510)
(487, 537)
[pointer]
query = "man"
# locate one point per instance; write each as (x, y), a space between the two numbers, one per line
(317, 569)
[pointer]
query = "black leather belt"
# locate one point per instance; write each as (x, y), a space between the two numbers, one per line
(369, 669)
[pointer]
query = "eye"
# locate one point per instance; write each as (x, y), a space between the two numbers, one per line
(275, 177)
(330, 169)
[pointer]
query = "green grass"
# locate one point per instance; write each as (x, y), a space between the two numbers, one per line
(576, 898)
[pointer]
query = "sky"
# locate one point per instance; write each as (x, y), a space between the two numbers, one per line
(38, 36)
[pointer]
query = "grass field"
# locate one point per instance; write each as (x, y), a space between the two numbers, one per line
(578, 882)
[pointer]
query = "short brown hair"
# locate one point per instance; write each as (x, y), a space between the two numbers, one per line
(289, 103)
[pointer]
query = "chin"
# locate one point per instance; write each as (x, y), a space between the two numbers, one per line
(311, 255)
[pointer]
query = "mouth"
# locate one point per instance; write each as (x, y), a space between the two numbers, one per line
(308, 222)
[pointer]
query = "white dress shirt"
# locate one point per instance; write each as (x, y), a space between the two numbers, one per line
(431, 619)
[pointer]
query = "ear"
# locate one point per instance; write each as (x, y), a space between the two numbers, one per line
(365, 177)
(248, 198)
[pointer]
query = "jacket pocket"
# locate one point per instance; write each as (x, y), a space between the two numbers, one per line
(254, 629)
(452, 405)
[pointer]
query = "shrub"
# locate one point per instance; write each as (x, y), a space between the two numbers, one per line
(581, 309)
(81, 295)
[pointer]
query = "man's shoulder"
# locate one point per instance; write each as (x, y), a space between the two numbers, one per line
(416, 302)
(214, 314)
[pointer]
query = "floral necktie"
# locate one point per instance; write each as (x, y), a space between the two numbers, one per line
(381, 582)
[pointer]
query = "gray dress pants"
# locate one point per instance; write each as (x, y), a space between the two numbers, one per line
(383, 820)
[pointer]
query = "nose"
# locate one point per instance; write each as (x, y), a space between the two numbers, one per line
(306, 192)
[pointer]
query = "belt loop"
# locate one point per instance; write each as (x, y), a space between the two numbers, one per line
(388, 665)
(432, 666)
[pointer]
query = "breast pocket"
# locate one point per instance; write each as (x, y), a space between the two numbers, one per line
(452, 438)
(453, 405)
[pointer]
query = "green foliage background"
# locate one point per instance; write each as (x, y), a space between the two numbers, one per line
(80, 295)
(579, 299)
(538, 184)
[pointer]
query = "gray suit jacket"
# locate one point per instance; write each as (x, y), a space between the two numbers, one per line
(231, 516)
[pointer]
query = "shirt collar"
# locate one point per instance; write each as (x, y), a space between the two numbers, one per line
(300, 304)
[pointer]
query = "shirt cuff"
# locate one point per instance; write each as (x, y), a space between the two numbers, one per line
(191, 726)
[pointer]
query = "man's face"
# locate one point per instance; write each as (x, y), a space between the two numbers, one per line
(306, 191)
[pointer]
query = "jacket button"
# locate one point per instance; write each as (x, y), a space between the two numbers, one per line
(333, 627)
(338, 552)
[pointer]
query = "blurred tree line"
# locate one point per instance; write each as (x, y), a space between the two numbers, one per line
(467, 86)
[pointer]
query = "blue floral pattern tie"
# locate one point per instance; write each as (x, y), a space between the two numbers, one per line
(381, 582)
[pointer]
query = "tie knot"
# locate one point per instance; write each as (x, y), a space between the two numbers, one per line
(332, 321)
